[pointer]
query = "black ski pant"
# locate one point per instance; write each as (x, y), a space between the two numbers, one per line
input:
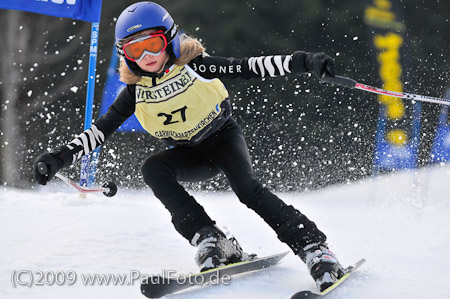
(225, 150)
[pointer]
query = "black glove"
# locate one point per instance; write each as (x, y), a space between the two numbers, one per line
(320, 64)
(53, 163)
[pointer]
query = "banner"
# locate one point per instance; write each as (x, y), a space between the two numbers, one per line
(112, 88)
(440, 152)
(84, 10)
(398, 128)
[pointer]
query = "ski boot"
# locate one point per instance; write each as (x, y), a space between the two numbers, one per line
(322, 264)
(215, 250)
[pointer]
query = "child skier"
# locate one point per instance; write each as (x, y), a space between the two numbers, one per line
(174, 89)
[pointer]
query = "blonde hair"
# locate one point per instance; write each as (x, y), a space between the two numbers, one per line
(190, 47)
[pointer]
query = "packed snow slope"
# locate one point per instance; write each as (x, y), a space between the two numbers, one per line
(399, 223)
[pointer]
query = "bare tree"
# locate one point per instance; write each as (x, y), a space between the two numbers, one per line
(37, 69)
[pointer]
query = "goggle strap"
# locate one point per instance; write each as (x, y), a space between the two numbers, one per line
(173, 30)
(119, 49)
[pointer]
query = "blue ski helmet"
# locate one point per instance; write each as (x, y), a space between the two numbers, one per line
(146, 15)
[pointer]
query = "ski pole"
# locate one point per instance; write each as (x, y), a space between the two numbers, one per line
(109, 189)
(350, 83)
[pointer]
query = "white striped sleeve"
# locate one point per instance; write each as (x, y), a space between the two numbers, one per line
(86, 142)
(277, 65)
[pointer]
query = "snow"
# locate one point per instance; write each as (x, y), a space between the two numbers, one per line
(399, 223)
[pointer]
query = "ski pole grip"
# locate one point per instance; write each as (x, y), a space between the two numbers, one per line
(339, 80)
(42, 168)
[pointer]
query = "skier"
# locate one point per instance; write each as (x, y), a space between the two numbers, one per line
(174, 89)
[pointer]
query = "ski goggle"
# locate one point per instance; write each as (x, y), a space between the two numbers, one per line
(151, 44)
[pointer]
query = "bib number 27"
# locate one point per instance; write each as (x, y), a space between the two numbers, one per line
(179, 113)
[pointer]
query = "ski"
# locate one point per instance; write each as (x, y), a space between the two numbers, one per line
(158, 285)
(311, 295)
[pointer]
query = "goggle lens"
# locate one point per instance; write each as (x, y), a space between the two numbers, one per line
(152, 44)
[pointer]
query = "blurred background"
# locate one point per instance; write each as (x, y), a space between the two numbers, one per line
(302, 135)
